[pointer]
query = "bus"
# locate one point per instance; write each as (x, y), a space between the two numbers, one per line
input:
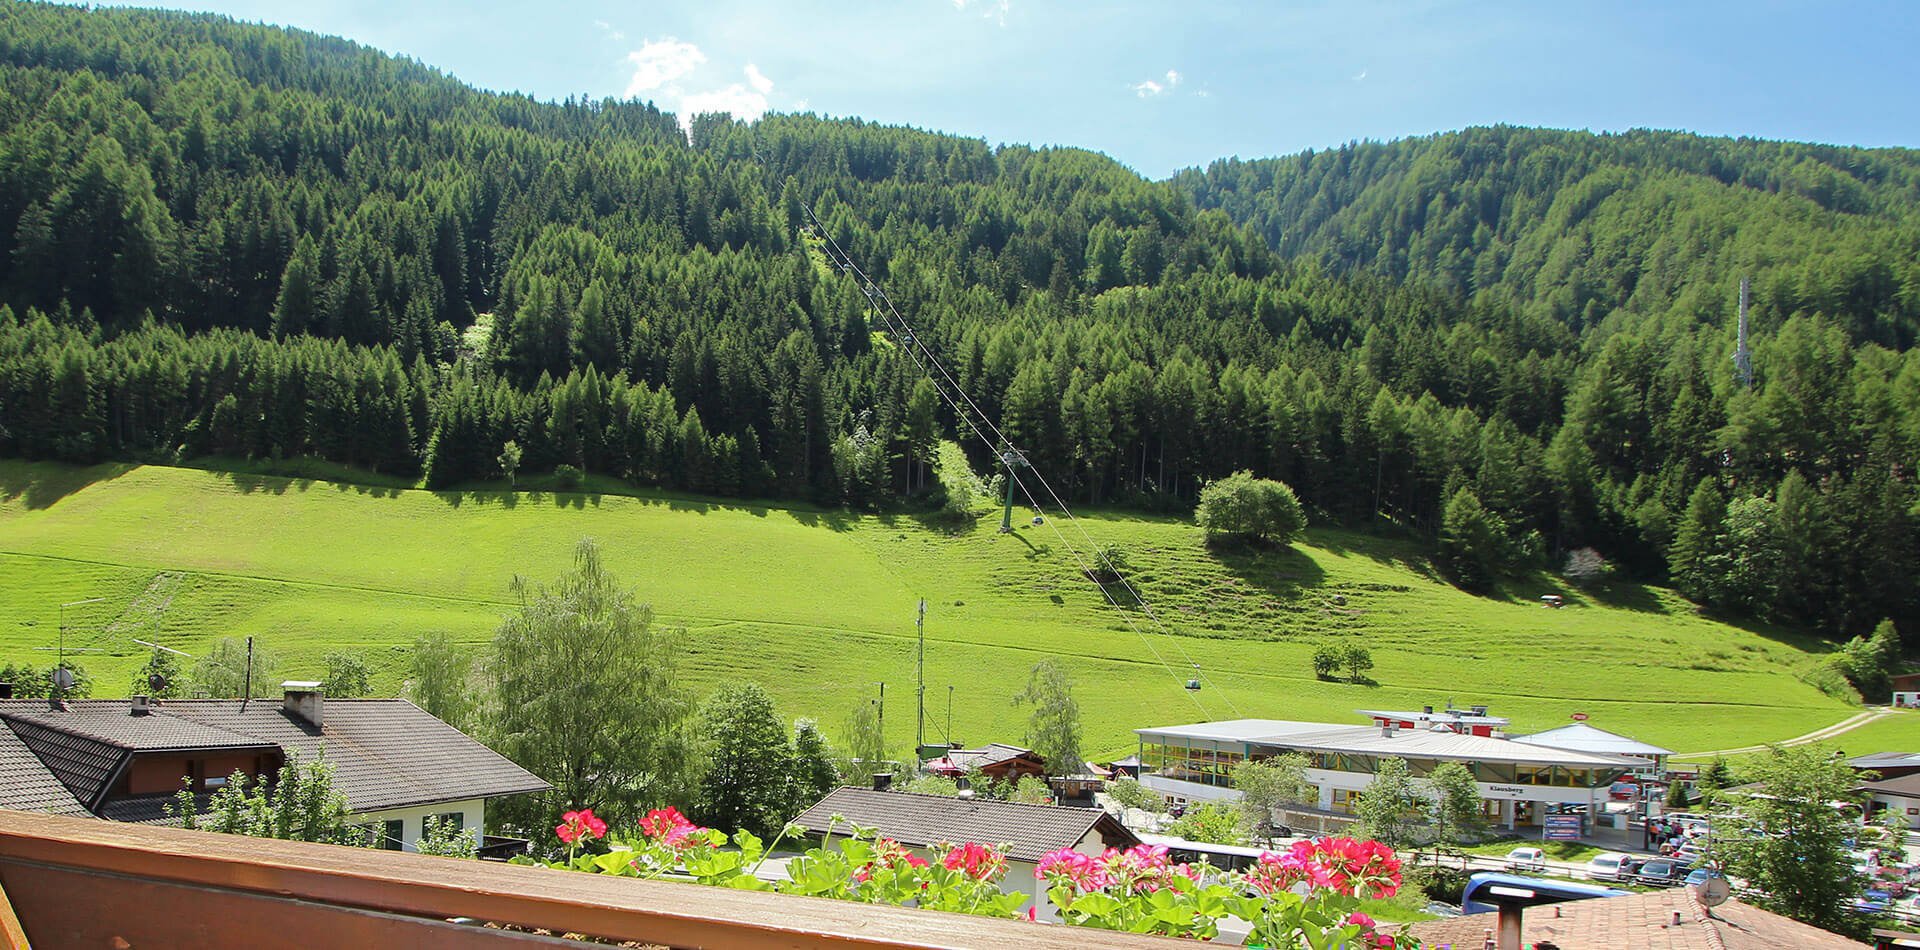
(1544, 891)
(1222, 857)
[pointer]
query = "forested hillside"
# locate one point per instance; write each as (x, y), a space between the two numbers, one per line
(231, 240)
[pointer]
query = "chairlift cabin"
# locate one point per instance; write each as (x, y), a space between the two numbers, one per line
(1193, 684)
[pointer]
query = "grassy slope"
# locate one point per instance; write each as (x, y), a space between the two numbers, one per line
(818, 606)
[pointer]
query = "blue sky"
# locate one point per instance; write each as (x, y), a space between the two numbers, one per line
(1163, 86)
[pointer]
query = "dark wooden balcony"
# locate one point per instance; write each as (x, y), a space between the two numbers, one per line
(78, 882)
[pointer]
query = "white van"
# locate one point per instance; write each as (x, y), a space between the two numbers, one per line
(1605, 867)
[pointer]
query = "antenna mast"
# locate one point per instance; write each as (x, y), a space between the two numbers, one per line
(920, 681)
(1742, 355)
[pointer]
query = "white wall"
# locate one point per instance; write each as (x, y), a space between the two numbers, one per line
(1900, 804)
(413, 820)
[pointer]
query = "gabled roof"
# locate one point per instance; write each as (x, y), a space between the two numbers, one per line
(1885, 760)
(922, 821)
(1642, 922)
(1581, 737)
(994, 754)
(27, 785)
(386, 753)
(83, 764)
(1906, 786)
(113, 723)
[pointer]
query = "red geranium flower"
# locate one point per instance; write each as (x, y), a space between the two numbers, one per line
(578, 824)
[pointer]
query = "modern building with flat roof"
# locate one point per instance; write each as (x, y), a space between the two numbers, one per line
(1520, 782)
(1580, 737)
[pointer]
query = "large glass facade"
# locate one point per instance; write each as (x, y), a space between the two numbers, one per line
(1206, 766)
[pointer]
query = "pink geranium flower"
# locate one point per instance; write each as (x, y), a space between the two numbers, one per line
(576, 825)
(667, 826)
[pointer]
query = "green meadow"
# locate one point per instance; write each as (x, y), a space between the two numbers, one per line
(818, 606)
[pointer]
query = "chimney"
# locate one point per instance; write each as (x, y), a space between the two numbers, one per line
(1387, 729)
(1427, 709)
(305, 700)
(142, 705)
(882, 781)
(6, 690)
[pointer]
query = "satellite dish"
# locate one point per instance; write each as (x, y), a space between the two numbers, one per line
(1713, 891)
(63, 678)
(157, 683)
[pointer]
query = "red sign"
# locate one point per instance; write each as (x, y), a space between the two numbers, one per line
(1579, 717)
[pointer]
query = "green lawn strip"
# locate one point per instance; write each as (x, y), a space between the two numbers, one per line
(814, 601)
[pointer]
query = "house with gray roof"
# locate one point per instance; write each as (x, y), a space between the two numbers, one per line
(125, 760)
(923, 822)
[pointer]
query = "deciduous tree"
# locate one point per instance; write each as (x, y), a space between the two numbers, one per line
(585, 695)
(1053, 727)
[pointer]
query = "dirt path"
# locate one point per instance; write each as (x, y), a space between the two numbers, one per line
(1839, 728)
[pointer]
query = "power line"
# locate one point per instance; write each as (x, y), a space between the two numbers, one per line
(923, 357)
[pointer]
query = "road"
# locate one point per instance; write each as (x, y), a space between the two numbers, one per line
(1839, 728)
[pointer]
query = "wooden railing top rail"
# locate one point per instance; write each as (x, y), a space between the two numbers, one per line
(78, 881)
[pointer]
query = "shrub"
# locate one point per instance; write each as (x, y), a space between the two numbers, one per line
(1585, 565)
(567, 476)
(1129, 793)
(1327, 661)
(1358, 660)
(930, 785)
(1243, 506)
(1215, 822)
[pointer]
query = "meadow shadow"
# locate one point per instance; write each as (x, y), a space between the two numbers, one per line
(43, 486)
(1280, 571)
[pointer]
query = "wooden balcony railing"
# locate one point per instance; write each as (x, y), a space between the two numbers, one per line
(78, 882)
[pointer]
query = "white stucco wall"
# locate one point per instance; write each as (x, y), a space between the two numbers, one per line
(413, 820)
(1902, 805)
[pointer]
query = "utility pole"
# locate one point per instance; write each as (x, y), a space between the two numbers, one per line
(246, 688)
(949, 733)
(1011, 459)
(920, 682)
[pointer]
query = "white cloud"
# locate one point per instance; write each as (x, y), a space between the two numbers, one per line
(995, 10)
(1148, 88)
(659, 62)
(758, 80)
(735, 100)
(607, 28)
(1362, 75)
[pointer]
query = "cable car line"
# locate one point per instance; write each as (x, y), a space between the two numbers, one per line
(924, 358)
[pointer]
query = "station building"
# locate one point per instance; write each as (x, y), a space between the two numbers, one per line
(1520, 782)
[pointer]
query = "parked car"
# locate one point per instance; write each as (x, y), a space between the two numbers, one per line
(1623, 791)
(1609, 867)
(1874, 902)
(1660, 872)
(1530, 860)
(1699, 876)
(1690, 853)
